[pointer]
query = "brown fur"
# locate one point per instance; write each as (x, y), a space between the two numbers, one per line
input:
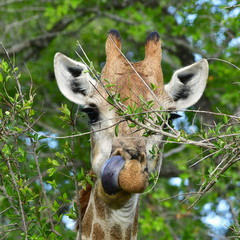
(100, 206)
(133, 178)
(113, 43)
(88, 221)
(128, 83)
(84, 196)
(116, 232)
(128, 233)
(98, 233)
(135, 223)
(113, 201)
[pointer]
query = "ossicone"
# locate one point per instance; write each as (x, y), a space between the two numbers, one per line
(113, 44)
(153, 50)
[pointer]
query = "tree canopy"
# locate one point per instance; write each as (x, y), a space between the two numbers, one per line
(41, 166)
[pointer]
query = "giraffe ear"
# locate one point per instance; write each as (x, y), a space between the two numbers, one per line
(73, 79)
(188, 83)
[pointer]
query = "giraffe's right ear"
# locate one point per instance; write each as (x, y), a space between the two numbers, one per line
(73, 79)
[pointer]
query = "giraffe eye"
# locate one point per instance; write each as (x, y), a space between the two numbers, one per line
(92, 112)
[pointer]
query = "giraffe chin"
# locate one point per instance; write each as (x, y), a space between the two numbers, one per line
(110, 173)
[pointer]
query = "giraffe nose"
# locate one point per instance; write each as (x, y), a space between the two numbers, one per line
(125, 171)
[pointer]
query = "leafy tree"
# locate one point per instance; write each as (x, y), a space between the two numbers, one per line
(39, 175)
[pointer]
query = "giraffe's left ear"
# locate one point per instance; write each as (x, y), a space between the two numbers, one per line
(73, 79)
(187, 84)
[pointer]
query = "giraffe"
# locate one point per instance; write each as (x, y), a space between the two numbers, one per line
(122, 163)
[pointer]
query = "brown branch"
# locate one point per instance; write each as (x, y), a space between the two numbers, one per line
(217, 173)
(42, 41)
(9, 2)
(20, 23)
(29, 9)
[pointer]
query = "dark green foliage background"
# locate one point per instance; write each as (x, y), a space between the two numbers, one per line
(32, 32)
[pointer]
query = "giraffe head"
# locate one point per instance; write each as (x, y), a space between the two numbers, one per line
(122, 162)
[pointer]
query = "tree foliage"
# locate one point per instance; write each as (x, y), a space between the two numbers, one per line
(40, 170)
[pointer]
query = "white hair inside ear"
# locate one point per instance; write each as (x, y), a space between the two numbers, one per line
(187, 84)
(73, 78)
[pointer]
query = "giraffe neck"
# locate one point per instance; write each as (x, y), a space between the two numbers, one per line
(104, 221)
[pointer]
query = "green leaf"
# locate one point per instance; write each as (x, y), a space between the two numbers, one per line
(116, 130)
(153, 86)
(225, 119)
(64, 109)
(51, 171)
(131, 125)
(1, 78)
(110, 100)
(218, 153)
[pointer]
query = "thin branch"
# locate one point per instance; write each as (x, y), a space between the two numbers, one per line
(233, 6)
(178, 195)
(206, 187)
(9, 2)
(28, 9)
(174, 151)
(222, 60)
(35, 156)
(76, 135)
(9, 198)
(13, 71)
(117, 18)
(207, 156)
(21, 22)
(16, 187)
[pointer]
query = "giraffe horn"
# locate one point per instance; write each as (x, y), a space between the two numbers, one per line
(153, 51)
(113, 45)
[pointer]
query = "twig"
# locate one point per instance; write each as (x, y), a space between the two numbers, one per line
(76, 135)
(8, 2)
(178, 195)
(35, 156)
(209, 155)
(24, 222)
(204, 188)
(233, 6)
(222, 60)
(13, 71)
(174, 151)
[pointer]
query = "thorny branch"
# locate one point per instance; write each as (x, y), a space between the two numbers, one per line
(215, 175)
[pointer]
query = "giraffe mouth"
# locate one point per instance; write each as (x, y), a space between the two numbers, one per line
(122, 174)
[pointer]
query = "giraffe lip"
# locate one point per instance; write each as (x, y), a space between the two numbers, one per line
(110, 173)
